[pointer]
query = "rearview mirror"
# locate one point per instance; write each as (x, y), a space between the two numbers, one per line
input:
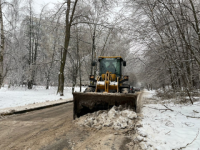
(124, 63)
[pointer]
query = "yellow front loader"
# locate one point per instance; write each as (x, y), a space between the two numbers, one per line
(108, 89)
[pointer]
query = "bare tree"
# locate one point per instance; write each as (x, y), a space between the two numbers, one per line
(170, 33)
(68, 23)
(2, 46)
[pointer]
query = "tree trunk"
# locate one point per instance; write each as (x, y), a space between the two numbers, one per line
(78, 57)
(1, 46)
(68, 23)
(52, 60)
(30, 84)
(73, 78)
(30, 49)
(80, 76)
(93, 48)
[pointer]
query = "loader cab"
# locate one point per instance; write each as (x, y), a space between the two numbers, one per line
(111, 64)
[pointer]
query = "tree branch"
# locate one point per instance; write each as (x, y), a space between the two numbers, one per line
(192, 141)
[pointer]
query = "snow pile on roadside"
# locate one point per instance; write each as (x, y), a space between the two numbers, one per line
(116, 117)
(171, 126)
(32, 106)
(21, 96)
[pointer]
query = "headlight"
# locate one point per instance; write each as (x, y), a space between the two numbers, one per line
(126, 78)
(91, 77)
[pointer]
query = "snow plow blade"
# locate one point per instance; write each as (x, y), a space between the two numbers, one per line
(90, 102)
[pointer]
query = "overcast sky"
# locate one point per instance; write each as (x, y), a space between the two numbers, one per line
(38, 4)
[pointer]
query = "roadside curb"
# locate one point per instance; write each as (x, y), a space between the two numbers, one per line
(12, 112)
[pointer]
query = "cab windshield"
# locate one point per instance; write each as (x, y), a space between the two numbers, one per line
(110, 64)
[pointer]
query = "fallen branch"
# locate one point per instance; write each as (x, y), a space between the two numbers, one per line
(191, 142)
(168, 108)
(189, 124)
(189, 116)
(159, 109)
(192, 117)
(195, 111)
(167, 132)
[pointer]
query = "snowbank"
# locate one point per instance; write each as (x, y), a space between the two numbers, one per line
(21, 96)
(171, 127)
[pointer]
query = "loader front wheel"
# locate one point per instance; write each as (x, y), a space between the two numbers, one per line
(89, 89)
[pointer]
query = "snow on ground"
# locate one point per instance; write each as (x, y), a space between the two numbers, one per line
(21, 96)
(162, 128)
(149, 94)
(171, 129)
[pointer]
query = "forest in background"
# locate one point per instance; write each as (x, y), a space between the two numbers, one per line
(160, 40)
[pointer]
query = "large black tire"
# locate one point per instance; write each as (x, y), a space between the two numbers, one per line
(125, 90)
(89, 89)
